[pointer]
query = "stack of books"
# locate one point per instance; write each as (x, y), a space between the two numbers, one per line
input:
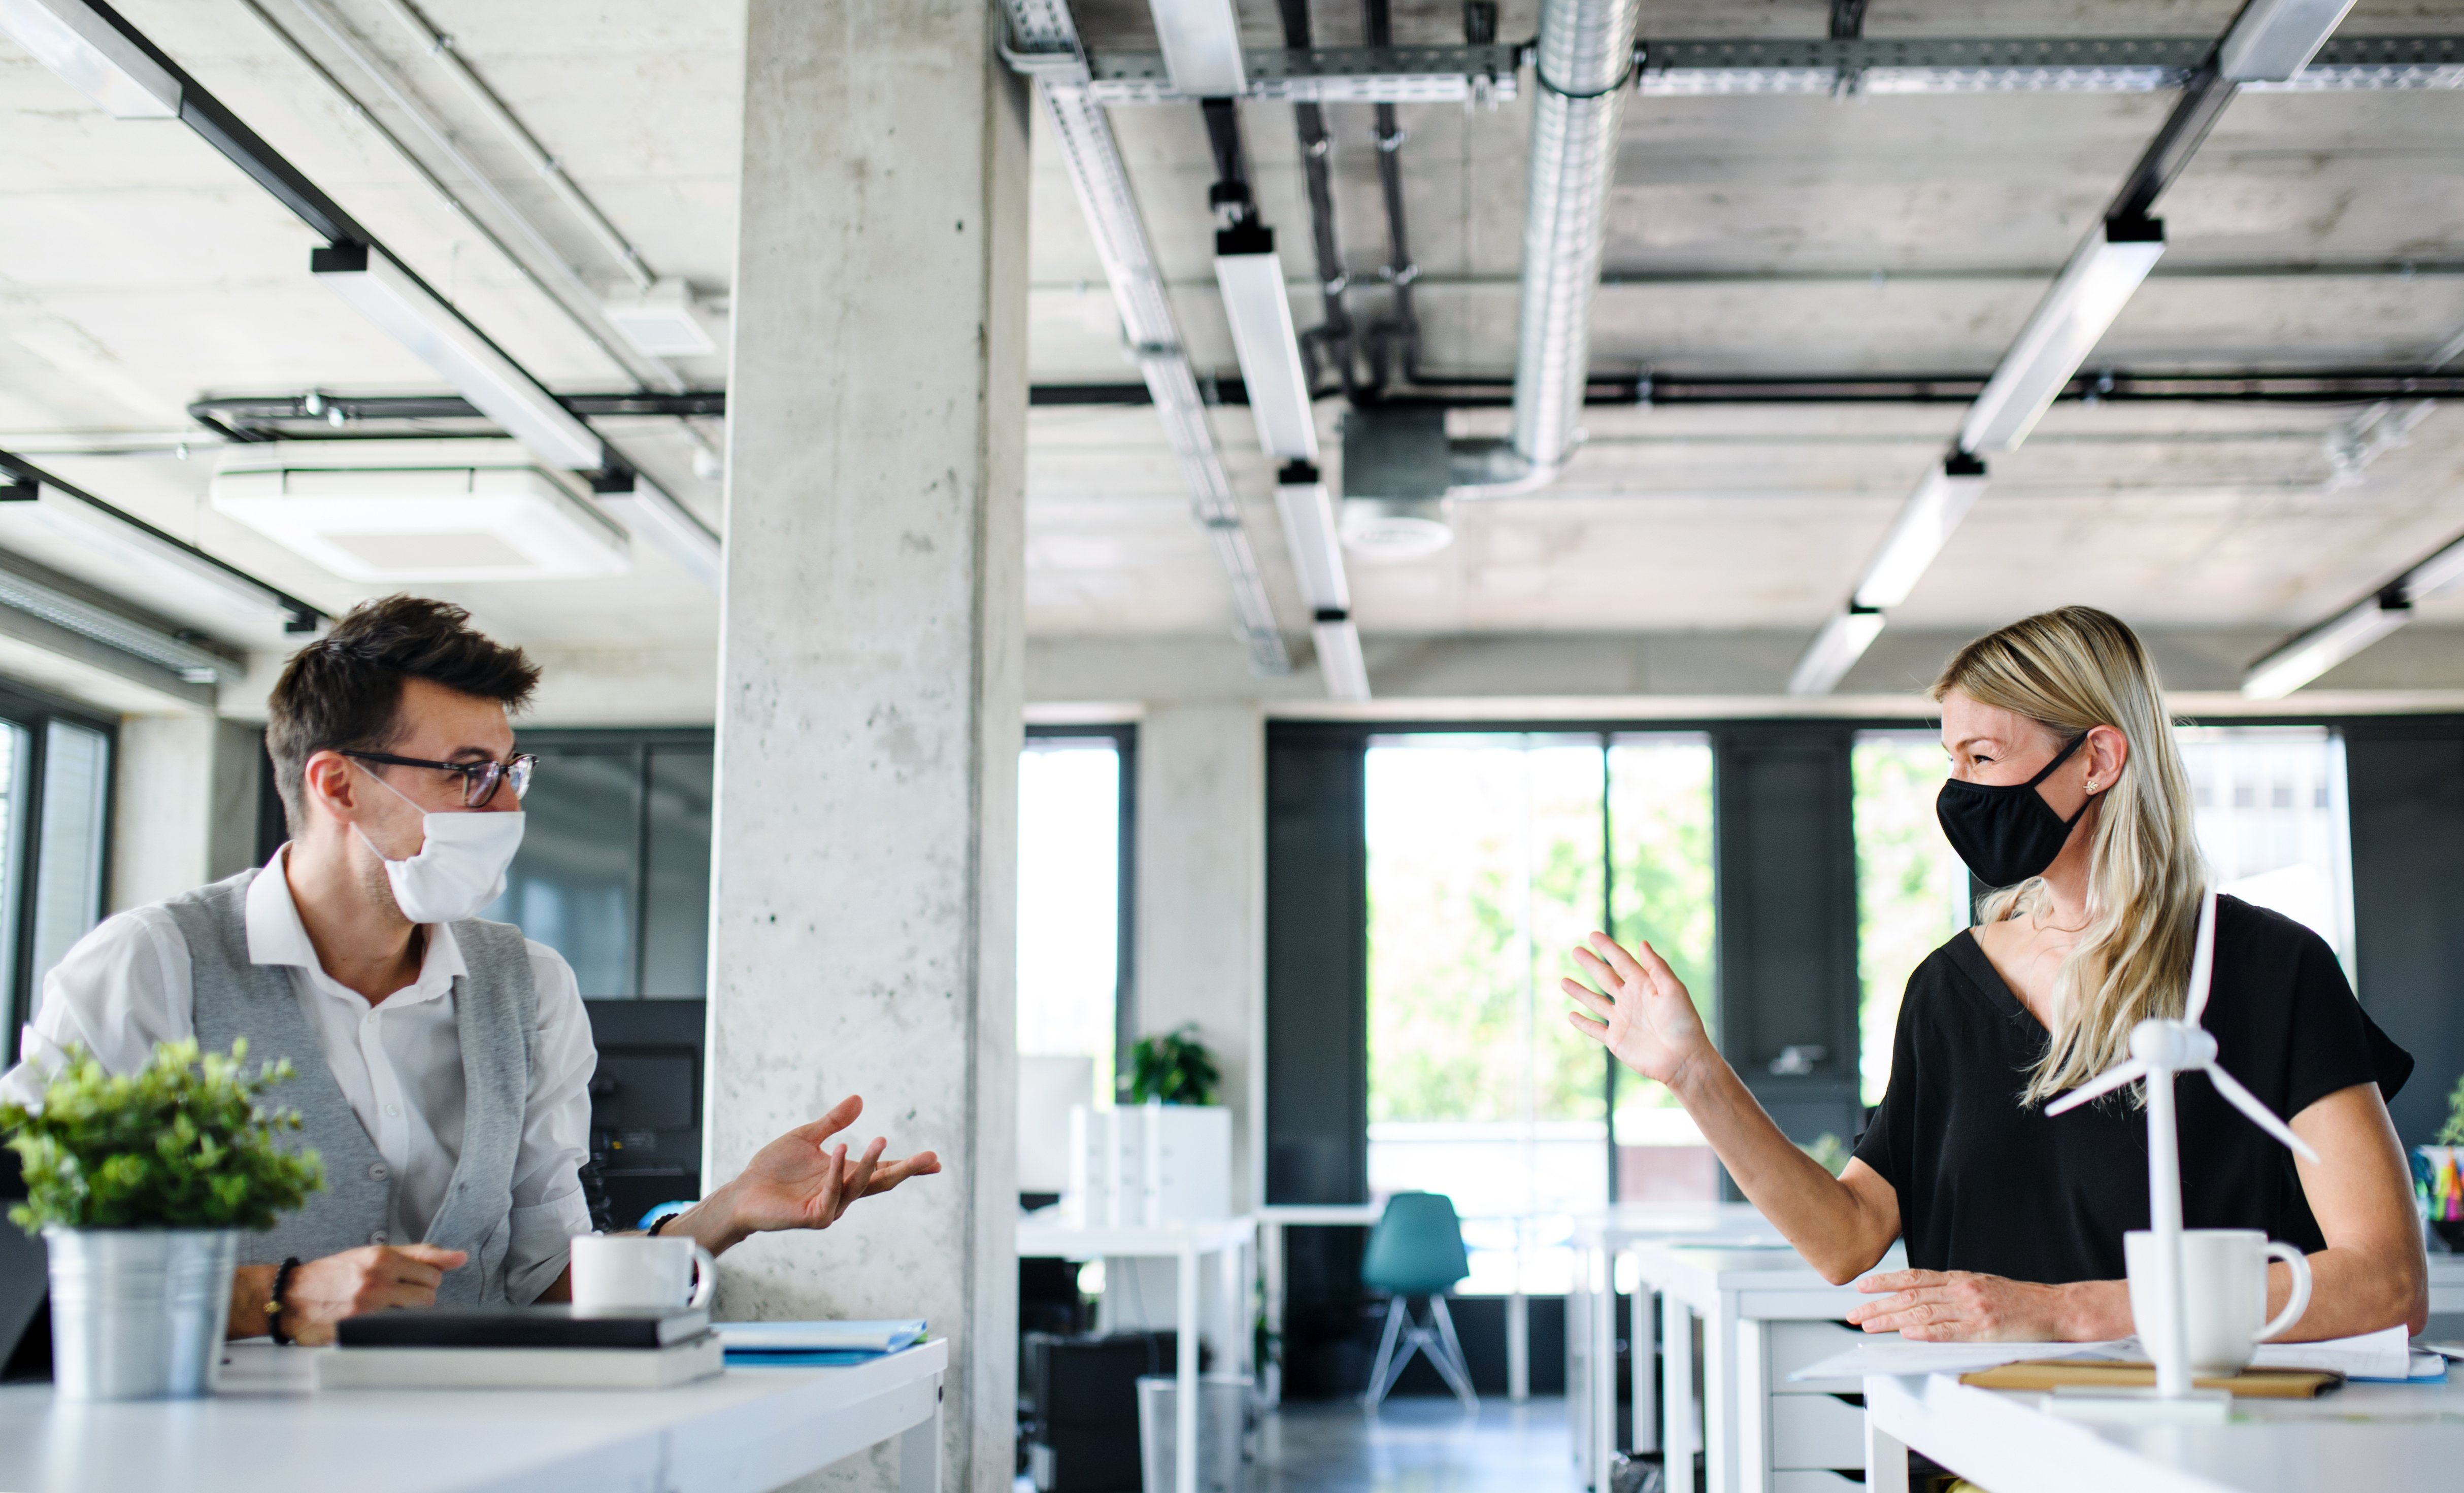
(526, 1347)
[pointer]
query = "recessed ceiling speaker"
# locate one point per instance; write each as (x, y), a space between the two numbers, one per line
(1395, 472)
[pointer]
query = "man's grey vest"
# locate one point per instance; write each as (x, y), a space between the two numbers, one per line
(494, 1006)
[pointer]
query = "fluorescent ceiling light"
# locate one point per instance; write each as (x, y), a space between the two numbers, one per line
(1338, 657)
(74, 614)
(2067, 325)
(1842, 641)
(1316, 543)
(2435, 574)
(1251, 276)
(664, 321)
(94, 56)
(653, 513)
(2323, 647)
(381, 514)
(148, 565)
(391, 298)
(1201, 47)
(2273, 39)
(1925, 522)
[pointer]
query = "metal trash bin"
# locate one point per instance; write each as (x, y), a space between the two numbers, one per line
(1222, 1426)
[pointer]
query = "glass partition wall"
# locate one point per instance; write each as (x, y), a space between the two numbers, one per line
(56, 783)
(1489, 858)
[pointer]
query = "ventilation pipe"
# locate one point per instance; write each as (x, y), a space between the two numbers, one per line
(1583, 62)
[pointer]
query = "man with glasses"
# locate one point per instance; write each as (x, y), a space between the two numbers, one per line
(444, 1061)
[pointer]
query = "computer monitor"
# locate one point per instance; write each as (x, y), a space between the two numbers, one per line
(646, 1103)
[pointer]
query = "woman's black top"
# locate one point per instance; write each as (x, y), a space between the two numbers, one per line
(1989, 1185)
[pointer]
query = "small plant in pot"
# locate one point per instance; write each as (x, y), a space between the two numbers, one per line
(139, 1184)
(1173, 1068)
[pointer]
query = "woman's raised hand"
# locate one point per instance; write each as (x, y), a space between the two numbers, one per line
(1644, 1014)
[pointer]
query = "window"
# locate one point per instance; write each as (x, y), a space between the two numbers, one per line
(1073, 928)
(1912, 892)
(1489, 858)
(55, 781)
(614, 869)
(2273, 822)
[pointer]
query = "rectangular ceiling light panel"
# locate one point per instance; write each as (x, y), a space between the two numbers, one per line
(667, 320)
(2322, 647)
(182, 585)
(1836, 648)
(1925, 523)
(1261, 313)
(1339, 664)
(2273, 39)
(1201, 47)
(2068, 323)
(425, 523)
(1316, 544)
(92, 56)
(388, 296)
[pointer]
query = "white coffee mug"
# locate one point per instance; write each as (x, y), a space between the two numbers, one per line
(633, 1272)
(2223, 1284)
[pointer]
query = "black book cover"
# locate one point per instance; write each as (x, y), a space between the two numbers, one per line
(521, 1327)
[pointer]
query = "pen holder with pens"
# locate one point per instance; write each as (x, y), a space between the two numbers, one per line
(2438, 1192)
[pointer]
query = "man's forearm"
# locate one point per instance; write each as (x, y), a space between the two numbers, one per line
(251, 1287)
(710, 1223)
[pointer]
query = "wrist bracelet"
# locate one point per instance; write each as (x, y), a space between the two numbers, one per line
(274, 1304)
(660, 1222)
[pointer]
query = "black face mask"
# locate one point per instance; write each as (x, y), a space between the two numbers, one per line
(2007, 832)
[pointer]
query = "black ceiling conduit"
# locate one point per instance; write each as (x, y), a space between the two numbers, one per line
(1331, 341)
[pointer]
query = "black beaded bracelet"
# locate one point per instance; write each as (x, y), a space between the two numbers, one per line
(274, 1304)
(660, 1222)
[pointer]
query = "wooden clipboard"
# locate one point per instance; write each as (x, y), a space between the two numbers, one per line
(2053, 1374)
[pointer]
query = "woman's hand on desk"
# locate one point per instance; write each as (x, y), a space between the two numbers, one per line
(1959, 1307)
(799, 1182)
(1645, 1016)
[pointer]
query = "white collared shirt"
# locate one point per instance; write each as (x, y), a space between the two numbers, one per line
(128, 985)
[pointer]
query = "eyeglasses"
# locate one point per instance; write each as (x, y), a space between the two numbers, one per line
(480, 781)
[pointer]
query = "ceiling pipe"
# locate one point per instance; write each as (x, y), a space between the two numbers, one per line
(1583, 63)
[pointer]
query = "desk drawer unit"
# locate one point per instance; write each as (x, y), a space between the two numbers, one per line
(1812, 1482)
(1810, 1431)
(1796, 1345)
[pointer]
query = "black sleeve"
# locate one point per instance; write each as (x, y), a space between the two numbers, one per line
(2333, 1044)
(1884, 1147)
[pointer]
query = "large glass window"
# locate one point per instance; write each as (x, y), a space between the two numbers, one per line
(1489, 858)
(55, 778)
(2273, 821)
(614, 869)
(1070, 903)
(1912, 892)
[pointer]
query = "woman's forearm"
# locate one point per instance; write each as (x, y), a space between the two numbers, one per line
(1839, 1232)
(2353, 1292)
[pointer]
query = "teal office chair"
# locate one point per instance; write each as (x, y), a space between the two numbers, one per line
(1416, 1250)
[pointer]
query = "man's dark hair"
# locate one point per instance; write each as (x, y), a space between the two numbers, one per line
(343, 692)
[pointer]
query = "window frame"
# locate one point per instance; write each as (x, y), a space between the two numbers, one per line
(33, 711)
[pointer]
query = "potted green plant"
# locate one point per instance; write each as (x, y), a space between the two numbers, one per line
(2438, 1175)
(139, 1184)
(1173, 1068)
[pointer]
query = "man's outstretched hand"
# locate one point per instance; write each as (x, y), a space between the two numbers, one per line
(799, 1181)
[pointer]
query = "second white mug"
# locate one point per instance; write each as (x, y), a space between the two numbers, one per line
(2224, 1282)
(634, 1272)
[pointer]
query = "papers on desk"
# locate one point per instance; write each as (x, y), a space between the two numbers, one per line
(815, 1345)
(2375, 1355)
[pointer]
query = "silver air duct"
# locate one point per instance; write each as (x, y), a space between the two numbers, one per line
(1583, 61)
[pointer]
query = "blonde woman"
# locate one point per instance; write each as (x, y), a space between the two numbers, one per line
(2067, 792)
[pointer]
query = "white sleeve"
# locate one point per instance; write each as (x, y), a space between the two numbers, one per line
(548, 1205)
(117, 992)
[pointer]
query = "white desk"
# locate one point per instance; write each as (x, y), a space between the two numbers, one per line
(2362, 1436)
(1184, 1243)
(1600, 1239)
(267, 1432)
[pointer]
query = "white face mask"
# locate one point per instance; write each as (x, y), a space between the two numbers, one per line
(460, 869)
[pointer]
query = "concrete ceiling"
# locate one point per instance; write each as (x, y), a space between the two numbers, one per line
(1750, 234)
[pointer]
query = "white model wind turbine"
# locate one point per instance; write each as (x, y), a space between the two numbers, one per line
(2158, 1049)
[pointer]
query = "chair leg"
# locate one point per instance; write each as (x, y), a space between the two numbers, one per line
(1378, 1379)
(1450, 1360)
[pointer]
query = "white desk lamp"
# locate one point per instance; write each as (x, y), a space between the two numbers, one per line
(2158, 1049)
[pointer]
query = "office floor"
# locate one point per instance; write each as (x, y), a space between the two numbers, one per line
(1423, 1444)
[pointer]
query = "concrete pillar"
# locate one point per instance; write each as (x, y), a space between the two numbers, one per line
(1201, 898)
(870, 658)
(183, 809)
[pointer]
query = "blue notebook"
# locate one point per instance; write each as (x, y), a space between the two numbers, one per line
(810, 1345)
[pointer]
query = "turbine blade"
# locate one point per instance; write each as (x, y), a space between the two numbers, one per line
(2104, 1083)
(2260, 1115)
(2203, 959)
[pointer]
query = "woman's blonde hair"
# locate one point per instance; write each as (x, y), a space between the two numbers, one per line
(2067, 671)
